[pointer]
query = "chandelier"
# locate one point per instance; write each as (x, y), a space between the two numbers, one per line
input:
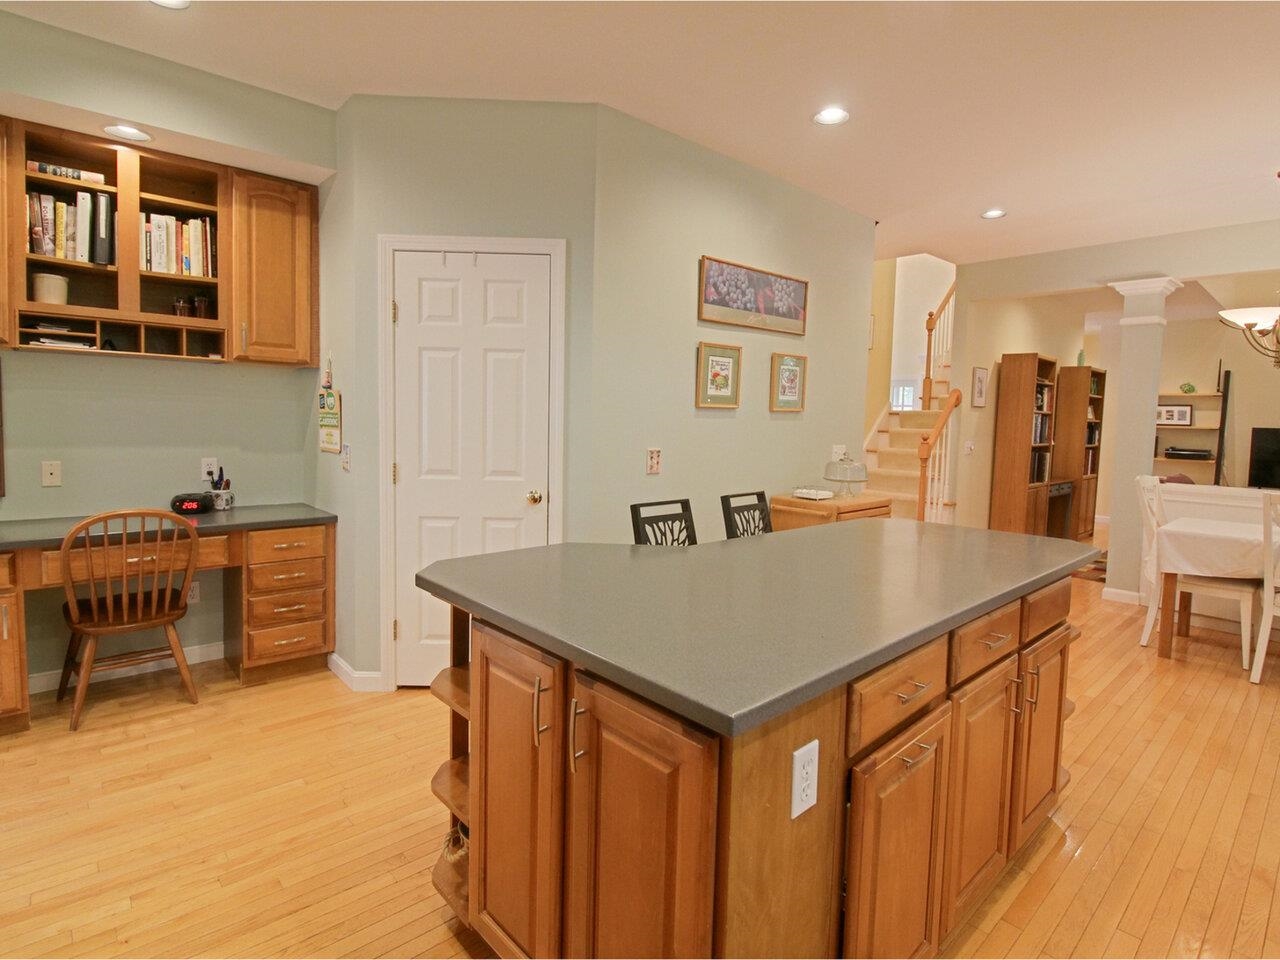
(1260, 326)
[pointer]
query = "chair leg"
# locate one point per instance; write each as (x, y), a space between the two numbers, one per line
(1149, 627)
(1264, 636)
(69, 664)
(171, 632)
(1184, 614)
(82, 679)
(1246, 629)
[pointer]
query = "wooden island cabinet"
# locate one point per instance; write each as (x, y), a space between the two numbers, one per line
(866, 820)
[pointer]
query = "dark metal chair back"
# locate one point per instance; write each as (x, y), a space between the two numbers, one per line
(666, 523)
(749, 519)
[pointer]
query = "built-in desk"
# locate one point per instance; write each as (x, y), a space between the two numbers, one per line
(277, 589)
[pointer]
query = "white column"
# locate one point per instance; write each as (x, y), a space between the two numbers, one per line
(1133, 391)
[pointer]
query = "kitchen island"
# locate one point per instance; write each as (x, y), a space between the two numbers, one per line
(821, 742)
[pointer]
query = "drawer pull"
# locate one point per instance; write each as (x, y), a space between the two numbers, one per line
(925, 750)
(539, 728)
(1034, 701)
(290, 546)
(289, 576)
(998, 640)
(4, 613)
(575, 711)
(141, 559)
(920, 689)
(296, 606)
(285, 643)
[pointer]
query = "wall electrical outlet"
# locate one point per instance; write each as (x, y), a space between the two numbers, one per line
(208, 468)
(653, 462)
(344, 458)
(804, 778)
(50, 473)
(838, 450)
(193, 592)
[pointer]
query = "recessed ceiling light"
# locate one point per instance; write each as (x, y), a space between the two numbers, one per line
(995, 213)
(122, 131)
(172, 4)
(830, 116)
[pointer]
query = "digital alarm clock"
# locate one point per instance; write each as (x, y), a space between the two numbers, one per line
(187, 503)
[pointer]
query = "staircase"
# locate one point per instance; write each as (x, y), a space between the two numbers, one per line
(893, 460)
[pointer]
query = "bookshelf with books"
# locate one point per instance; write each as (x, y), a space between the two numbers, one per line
(1022, 465)
(155, 277)
(1077, 438)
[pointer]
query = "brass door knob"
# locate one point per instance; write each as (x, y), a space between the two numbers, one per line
(534, 497)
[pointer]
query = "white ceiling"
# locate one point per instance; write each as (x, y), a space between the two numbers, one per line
(1088, 122)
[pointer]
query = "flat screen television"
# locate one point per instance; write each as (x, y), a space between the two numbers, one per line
(1264, 458)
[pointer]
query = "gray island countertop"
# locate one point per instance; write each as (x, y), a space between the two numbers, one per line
(732, 633)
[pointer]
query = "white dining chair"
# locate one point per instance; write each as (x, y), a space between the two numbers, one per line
(1242, 592)
(1270, 580)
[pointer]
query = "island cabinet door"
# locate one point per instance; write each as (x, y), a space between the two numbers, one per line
(640, 851)
(983, 725)
(517, 794)
(1042, 673)
(897, 830)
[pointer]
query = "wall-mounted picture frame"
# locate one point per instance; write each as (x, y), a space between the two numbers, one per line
(719, 376)
(1173, 415)
(743, 296)
(788, 380)
(978, 389)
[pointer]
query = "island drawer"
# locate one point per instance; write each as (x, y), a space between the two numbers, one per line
(980, 643)
(284, 576)
(290, 640)
(287, 543)
(286, 607)
(896, 692)
(1045, 609)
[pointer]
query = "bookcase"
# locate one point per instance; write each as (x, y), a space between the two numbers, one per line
(1080, 401)
(1022, 464)
(159, 275)
(1203, 431)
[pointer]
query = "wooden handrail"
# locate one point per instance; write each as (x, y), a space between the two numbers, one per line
(930, 324)
(927, 442)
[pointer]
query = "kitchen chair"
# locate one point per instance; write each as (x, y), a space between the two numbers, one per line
(1242, 592)
(672, 528)
(1270, 578)
(137, 566)
(748, 519)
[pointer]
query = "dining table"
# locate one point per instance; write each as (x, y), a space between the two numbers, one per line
(1203, 547)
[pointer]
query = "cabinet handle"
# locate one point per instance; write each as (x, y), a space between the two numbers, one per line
(575, 711)
(285, 643)
(925, 750)
(4, 615)
(140, 559)
(538, 728)
(920, 689)
(1017, 682)
(1034, 701)
(296, 606)
(288, 576)
(290, 546)
(1000, 639)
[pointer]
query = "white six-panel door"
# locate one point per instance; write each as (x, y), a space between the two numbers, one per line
(472, 353)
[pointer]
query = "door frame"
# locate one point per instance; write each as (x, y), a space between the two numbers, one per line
(388, 246)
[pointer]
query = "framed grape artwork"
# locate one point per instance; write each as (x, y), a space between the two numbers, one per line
(747, 297)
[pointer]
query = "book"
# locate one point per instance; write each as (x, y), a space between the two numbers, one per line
(68, 173)
(35, 224)
(146, 247)
(46, 224)
(159, 244)
(213, 246)
(195, 230)
(84, 225)
(186, 250)
(100, 250)
(59, 229)
(71, 232)
(171, 244)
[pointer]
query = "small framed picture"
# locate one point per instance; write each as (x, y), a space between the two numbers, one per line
(1173, 415)
(719, 375)
(978, 393)
(788, 378)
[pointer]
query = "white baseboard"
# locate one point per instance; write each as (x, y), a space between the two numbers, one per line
(1099, 518)
(1120, 596)
(197, 653)
(361, 681)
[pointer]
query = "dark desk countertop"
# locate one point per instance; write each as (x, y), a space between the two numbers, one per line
(48, 533)
(732, 633)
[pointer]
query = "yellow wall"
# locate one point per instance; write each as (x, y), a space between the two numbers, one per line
(880, 356)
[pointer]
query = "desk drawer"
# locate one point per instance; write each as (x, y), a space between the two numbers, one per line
(286, 607)
(290, 640)
(288, 543)
(286, 576)
(896, 692)
(1045, 608)
(210, 552)
(980, 643)
(8, 572)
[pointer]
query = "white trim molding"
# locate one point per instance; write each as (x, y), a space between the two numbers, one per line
(1120, 596)
(388, 246)
(361, 681)
(1151, 320)
(1160, 286)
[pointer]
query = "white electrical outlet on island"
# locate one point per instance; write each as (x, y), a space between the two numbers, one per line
(804, 778)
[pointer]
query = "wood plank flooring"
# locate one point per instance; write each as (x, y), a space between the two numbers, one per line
(295, 819)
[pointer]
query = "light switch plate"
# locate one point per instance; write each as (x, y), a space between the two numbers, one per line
(838, 450)
(804, 778)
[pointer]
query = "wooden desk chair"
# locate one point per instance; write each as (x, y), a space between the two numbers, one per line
(655, 524)
(1270, 579)
(748, 519)
(137, 566)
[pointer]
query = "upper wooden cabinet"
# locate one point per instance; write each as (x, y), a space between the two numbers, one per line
(273, 298)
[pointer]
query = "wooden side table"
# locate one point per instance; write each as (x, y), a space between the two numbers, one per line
(788, 513)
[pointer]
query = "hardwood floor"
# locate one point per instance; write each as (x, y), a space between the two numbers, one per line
(295, 819)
